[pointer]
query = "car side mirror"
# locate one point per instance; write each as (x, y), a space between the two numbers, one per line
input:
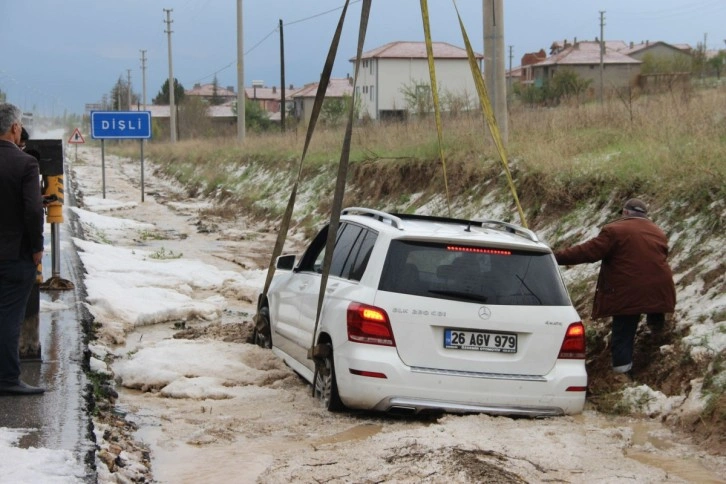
(286, 262)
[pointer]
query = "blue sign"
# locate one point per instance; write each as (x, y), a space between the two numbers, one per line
(120, 124)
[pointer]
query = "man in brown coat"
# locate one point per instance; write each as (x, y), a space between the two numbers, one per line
(634, 279)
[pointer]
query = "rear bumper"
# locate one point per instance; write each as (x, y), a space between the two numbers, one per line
(413, 390)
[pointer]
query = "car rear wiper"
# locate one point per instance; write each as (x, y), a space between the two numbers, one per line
(467, 296)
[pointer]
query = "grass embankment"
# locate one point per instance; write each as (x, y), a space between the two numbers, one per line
(669, 149)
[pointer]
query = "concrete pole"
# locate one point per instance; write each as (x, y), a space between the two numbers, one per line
(128, 89)
(143, 78)
(602, 54)
(240, 76)
(494, 70)
(172, 104)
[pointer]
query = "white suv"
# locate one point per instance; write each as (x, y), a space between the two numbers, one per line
(427, 313)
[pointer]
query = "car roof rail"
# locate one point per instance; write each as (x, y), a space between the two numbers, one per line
(396, 222)
(512, 228)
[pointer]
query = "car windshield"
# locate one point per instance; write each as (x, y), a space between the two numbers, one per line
(473, 274)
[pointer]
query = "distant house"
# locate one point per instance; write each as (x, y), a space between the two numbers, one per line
(387, 70)
(207, 93)
(269, 98)
(523, 74)
(304, 98)
(663, 64)
(583, 58)
(657, 49)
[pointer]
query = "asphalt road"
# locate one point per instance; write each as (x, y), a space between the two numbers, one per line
(57, 419)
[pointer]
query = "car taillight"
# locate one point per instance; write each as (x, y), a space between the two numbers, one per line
(573, 346)
(369, 324)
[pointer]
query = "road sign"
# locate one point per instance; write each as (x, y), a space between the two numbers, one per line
(121, 124)
(76, 137)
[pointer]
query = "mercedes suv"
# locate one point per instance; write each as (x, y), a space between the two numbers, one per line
(427, 313)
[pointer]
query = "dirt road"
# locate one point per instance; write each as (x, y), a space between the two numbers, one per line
(264, 426)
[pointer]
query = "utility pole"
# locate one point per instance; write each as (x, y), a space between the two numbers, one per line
(143, 78)
(282, 80)
(494, 75)
(509, 79)
(602, 54)
(128, 88)
(172, 104)
(240, 76)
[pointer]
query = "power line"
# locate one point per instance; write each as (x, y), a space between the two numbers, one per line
(273, 31)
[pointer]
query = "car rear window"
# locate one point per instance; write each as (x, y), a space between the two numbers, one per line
(473, 274)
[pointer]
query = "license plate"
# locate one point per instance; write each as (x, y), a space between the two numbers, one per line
(480, 341)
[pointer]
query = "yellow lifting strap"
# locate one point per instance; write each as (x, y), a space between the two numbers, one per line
(317, 105)
(435, 92)
(489, 115)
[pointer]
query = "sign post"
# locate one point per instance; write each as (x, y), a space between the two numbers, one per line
(76, 139)
(121, 125)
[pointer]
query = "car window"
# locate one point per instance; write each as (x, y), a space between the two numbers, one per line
(312, 259)
(363, 254)
(348, 235)
(473, 274)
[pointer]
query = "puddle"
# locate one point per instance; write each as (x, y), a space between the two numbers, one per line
(359, 432)
(645, 435)
(686, 469)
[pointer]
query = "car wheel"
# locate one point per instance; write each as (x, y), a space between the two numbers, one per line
(326, 388)
(262, 334)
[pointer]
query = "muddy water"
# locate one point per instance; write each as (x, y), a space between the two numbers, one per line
(647, 435)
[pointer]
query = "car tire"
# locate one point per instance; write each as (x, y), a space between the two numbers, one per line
(325, 386)
(262, 334)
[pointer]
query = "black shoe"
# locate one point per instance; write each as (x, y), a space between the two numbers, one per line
(21, 388)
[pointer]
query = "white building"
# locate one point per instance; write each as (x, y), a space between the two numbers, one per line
(387, 70)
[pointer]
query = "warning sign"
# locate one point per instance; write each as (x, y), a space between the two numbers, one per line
(76, 137)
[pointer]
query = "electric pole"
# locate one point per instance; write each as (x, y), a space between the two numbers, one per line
(128, 88)
(602, 54)
(282, 80)
(240, 76)
(172, 104)
(143, 78)
(494, 74)
(509, 79)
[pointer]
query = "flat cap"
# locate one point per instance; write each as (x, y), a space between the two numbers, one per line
(636, 205)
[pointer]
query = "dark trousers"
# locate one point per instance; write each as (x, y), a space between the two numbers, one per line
(623, 338)
(16, 281)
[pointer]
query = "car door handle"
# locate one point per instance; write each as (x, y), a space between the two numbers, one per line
(331, 287)
(304, 285)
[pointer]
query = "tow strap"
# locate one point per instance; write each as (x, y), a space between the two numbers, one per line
(317, 105)
(342, 172)
(435, 93)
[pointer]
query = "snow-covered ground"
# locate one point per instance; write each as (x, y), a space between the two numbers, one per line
(172, 292)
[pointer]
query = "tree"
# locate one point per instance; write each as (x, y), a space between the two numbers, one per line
(717, 63)
(216, 99)
(162, 98)
(334, 110)
(417, 95)
(256, 119)
(2, 96)
(119, 95)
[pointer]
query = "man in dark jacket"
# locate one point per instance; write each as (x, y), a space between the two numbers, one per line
(21, 244)
(634, 279)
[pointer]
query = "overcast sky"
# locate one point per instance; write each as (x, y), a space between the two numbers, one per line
(70, 53)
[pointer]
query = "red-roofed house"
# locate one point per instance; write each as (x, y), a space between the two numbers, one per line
(583, 58)
(393, 66)
(304, 98)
